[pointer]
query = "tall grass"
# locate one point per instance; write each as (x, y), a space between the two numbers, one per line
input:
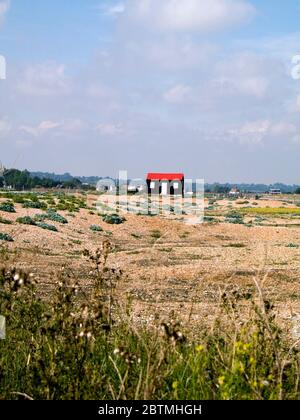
(84, 345)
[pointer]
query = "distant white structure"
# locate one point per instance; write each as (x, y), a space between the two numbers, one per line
(106, 185)
(234, 192)
(2, 169)
(275, 191)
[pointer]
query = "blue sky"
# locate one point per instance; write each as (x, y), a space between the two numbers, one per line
(198, 86)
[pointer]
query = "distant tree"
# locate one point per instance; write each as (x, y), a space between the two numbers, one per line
(297, 191)
(221, 189)
(20, 180)
(74, 183)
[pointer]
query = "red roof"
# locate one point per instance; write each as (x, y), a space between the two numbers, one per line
(165, 177)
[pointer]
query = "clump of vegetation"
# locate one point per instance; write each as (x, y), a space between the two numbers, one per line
(113, 219)
(5, 237)
(40, 217)
(7, 207)
(84, 346)
(272, 211)
(209, 219)
(46, 226)
(234, 218)
(5, 221)
(291, 245)
(55, 217)
(156, 234)
(136, 236)
(242, 202)
(96, 228)
(26, 221)
(34, 205)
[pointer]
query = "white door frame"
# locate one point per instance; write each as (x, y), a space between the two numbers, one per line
(164, 188)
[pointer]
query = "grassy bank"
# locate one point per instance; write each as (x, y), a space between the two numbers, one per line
(84, 345)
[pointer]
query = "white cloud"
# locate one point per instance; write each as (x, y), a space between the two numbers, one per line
(251, 132)
(255, 132)
(117, 9)
(178, 94)
(247, 74)
(283, 129)
(4, 7)
(5, 126)
(110, 129)
(41, 129)
(178, 53)
(189, 15)
(111, 10)
(73, 125)
(69, 125)
(47, 79)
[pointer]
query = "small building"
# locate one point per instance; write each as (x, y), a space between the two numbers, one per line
(165, 183)
(275, 191)
(234, 192)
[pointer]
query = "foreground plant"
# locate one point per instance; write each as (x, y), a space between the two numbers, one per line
(82, 344)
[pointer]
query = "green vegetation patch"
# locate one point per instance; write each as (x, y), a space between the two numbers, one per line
(96, 228)
(271, 211)
(80, 352)
(7, 207)
(5, 237)
(55, 217)
(46, 226)
(234, 218)
(113, 219)
(5, 221)
(26, 221)
(34, 205)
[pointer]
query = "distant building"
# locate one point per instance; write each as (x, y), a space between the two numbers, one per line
(275, 191)
(234, 192)
(2, 170)
(106, 185)
(165, 183)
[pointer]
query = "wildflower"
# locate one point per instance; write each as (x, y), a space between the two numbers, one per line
(116, 351)
(221, 380)
(175, 385)
(200, 348)
(264, 384)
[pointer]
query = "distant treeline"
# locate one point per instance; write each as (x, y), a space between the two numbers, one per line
(19, 180)
(66, 177)
(251, 188)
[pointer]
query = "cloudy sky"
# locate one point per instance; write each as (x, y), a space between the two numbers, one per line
(199, 86)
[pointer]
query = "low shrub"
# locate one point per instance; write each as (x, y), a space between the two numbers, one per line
(113, 219)
(5, 221)
(96, 228)
(26, 221)
(156, 234)
(40, 217)
(234, 218)
(55, 217)
(5, 237)
(209, 219)
(34, 205)
(7, 207)
(47, 227)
